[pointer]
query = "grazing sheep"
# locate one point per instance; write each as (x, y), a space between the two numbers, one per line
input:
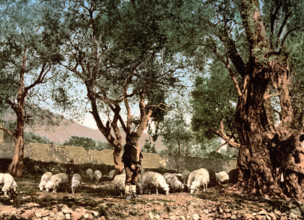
(75, 182)
(119, 183)
(45, 177)
(173, 182)
(97, 175)
(57, 181)
(155, 180)
(198, 178)
(89, 173)
(8, 183)
(111, 174)
(222, 177)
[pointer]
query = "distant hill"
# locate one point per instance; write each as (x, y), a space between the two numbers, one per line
(67, 129)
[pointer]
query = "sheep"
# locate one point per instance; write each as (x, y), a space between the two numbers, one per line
(75, 182)
(112, 174)
(89, 173)
(57, 181)
(97, 175)
(173, 182)
(8, 183)
(222, 177)
(153, 179)
(119, 183)
(45, 177)
(198, 178)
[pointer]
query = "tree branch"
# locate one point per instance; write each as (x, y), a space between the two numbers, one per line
(219, 147)
(282, 28)
(221, 133)
(8, 131)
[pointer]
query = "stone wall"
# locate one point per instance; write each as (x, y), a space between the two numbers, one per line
(192, 163)
(63, 154)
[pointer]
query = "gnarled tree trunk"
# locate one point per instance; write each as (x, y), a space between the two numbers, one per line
(269, 150)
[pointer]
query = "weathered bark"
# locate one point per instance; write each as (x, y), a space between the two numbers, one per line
(16, 166)
(269, 148)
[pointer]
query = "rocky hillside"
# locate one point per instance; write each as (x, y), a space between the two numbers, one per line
(67, 129)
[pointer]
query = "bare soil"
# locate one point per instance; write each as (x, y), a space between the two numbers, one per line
(101, 201)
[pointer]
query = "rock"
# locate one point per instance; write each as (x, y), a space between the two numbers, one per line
(67, 216)
(65, 210)
(195, 217)
(59, 216)
(233, 217)
(52, 214)
(272, 216)
(38, 215)
(95, 213)
(151, 215)
(45, 218)
(277, 213)
(248, 216)
(76, 215)
(156, 217)
(220, 210)
(86, 215)
(263, 212)
(260, 217)
(225, 216)
(293, 216)
(204, 217)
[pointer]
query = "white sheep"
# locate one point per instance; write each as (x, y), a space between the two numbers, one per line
(45, 177)
(222, 177)
(119, 183)
(198, 178)
(156, 180)
(89, 173)
(57, 181)
(8, 183)
(75, 182)
(173, 182)
(111, 174)
(97, 175)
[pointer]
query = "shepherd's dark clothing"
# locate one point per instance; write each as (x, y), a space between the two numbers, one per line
(132, 162)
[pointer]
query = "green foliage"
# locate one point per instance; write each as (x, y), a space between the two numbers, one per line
(214, 99)
(148, 147)
(177, 137)
(30, 137)
(31, 36)
(87, 143)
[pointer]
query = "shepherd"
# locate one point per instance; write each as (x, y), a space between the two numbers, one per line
(132, 158)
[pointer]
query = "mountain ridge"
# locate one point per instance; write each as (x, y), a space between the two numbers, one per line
(66, 129)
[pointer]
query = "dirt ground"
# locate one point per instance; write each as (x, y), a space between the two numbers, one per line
(101, 201)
